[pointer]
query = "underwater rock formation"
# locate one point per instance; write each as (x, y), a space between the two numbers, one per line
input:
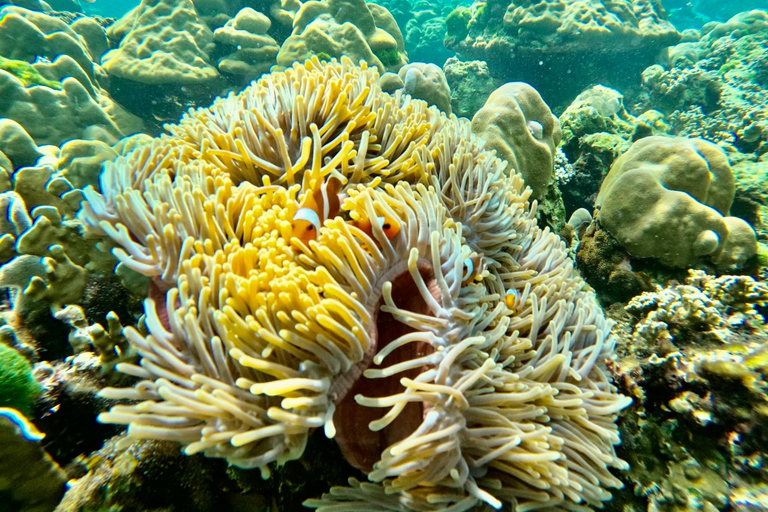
(449, 348)
(540, 42)
(31, 480)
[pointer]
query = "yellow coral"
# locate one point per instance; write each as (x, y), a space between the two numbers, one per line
(267, 338)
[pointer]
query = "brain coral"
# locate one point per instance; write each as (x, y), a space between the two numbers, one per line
(444, 393)
(668, 198)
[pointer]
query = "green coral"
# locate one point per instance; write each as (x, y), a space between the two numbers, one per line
(762, 255)
(389, 57)
(324, 56)
(28, 75)
(457, 22)
(480, 12)
(18, 389)
(728, 66)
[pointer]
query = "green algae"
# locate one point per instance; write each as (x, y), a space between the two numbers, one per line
(18, 389)
(389, 57)
(457, 22)
(27, 74)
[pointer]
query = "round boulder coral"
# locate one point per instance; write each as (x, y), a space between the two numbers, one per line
(518, 125)
(430, 326)
(668, 198)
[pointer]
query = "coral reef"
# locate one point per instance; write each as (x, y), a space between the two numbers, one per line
(426, 82)
(668, 198)
(401, 344)
(751, 201)
(18, 389)
(703, 309)
(423, 25)
(596, 130)
(518, 125)
(58, 98)
(693, 356)
(538, 42)
(425, 31)
(607, 267)
(47, 264)
(470, 83)
(715, 86)
(161, 42)
(350, 28)
(254, 51)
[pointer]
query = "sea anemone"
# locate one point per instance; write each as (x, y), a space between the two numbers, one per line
(254, 338)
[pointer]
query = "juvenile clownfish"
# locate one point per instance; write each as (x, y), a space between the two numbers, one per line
(473, 268)
(390, 229)
(512, 299)
(322, 204)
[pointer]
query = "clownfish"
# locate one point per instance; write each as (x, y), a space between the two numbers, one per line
(473, 268)
(390, 229)
(322, 204)
(512, 299)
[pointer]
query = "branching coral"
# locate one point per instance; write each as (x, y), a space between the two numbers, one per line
(444, 393)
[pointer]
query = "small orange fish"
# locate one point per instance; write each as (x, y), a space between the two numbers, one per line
(512, 299)
(390, 229)
(322, 204)
(473, 268)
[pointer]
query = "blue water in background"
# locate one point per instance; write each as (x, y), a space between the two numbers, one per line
(683, 13)
(695, 13)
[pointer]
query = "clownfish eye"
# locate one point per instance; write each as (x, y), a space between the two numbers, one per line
(386, 225)
(310, 227)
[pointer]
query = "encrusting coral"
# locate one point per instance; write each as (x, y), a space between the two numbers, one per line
(455, 359)
(704, 308)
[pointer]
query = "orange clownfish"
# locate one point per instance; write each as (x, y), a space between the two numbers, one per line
(390, 229)
(323, 203)
(512, 299)
(473, 268)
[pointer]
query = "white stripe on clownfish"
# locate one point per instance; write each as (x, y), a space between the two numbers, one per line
(473, 269)
(323, 203)
(309, 215)
(512, 299)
